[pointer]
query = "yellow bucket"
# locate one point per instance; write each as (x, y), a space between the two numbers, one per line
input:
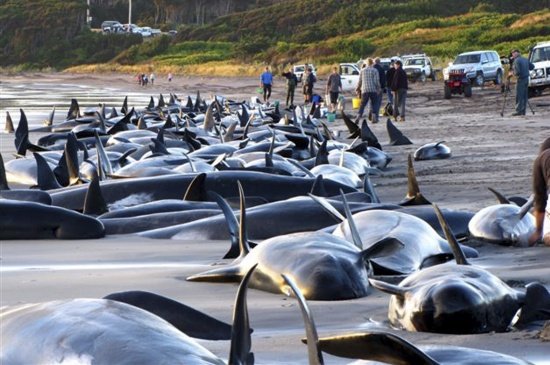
(356, 102)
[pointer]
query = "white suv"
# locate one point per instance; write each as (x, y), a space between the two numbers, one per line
(539, 78)
(479, 66)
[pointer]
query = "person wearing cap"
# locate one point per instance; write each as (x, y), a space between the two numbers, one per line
(520, 69)
(541, 183)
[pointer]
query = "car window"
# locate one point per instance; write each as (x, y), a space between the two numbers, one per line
(415, 62)
(484, 57)
(469, 58)
(540, 54)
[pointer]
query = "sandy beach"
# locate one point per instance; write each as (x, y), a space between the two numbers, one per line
(487, 151)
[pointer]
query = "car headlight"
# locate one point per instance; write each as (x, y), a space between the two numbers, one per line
(537, 73)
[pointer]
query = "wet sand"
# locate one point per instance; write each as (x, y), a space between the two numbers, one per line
(488, 151)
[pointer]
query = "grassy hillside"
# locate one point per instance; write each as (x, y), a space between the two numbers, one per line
(289, 31)
(440, 37)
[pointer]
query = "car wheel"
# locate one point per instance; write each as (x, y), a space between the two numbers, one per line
(498, 79)
(447, 92)
(468, 91)
(480, 79)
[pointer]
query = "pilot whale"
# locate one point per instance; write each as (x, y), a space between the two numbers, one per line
(460, 298)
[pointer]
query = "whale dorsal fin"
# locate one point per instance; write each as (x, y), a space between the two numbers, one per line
(315, 355)
(414, 196)
(501, 198)
(124, 109)
(353, 129)
(239, 248)
(397, 138)
(186, 319)
(74, 110)
(525, 208)
(318, 187)
(329, 208)
(376, 346)
(356, 237)
(3, 179)
(195, 190)
(241, 341)
(459, 255)
(322, 154)
(209, 123)
(71, 159)
(368, 188)
(22, 134)
(94, 203)
(9, 124)
(45, 177)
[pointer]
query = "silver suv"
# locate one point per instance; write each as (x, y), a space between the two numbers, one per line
(479, 66)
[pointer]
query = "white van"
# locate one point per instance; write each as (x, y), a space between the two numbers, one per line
(539, 78)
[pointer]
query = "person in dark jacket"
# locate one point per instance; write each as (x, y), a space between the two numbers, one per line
(520, 69)
(291, 82)
(399, 87)
(382, 74)
(541, 182)
(389, 79)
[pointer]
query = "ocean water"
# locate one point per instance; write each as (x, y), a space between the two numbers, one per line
(37, 100)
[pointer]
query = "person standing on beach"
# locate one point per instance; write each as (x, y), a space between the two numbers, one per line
(382, 74)
(334, 87)
(399, 86)
(389, 79)
(152, 78)
(309, 80)
(369, 88)
(266, 82)
(169, 77)
(541, 182)
(291, 82)
(520, 69)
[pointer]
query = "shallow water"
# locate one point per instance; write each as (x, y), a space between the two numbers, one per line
(37, 100)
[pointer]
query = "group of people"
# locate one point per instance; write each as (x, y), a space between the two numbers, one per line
(143, 79)
(374, 82)
(308, 81)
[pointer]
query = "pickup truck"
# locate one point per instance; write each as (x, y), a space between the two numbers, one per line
(539, 79)
(418, 67)
(349, 74)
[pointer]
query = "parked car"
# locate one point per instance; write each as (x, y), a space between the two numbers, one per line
(300, 69)
(418, 67)
(539, 78)
(112, 26)
(146, 32)
(479, 67)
